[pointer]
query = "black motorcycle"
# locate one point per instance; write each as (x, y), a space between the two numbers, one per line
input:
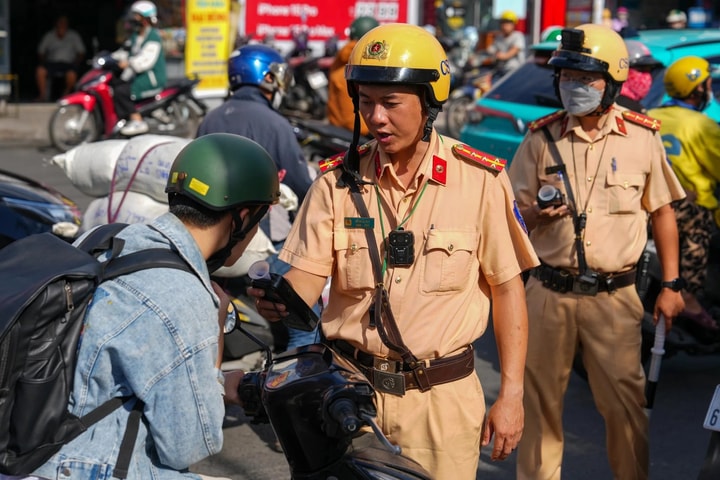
(308, 95)
(320, 139)
(320, 407)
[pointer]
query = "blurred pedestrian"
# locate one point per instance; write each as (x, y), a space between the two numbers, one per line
(340, 110)
(60, 54)
(676, 19)
(508, 48)
(639, 81)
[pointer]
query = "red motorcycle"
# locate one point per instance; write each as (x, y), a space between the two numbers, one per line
(88, 114)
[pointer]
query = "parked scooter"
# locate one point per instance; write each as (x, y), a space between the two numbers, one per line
(308, 95)
(88, 114)
(318, 404)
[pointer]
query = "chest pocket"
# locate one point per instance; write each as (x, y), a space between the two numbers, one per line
(354, 267)
(624, 192)
(449, 258)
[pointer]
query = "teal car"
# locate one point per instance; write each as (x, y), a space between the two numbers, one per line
(498, 122)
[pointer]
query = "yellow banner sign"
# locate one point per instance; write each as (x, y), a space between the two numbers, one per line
(207, 45)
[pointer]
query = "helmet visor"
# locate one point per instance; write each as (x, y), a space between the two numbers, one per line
(283, 75)
(365, 74)
(577, 61)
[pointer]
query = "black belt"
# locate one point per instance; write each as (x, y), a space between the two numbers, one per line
(385, 373)
(560, 280)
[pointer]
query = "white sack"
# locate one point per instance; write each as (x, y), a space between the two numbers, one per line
(135, 208)
(144, 164)
(90, 166)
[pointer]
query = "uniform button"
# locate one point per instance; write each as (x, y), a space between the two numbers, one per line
(625, 184)
(353, 248)
(589, 209)
(588, 243)
(451, 247)
(405, 199)
(589, 179)
(398, 279)
(66, 472)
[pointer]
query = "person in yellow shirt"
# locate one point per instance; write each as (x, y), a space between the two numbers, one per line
(340, 110)
(692, 144)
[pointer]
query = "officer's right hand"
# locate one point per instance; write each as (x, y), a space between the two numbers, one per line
(270, 311)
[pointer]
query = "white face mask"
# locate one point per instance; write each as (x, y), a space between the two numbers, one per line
(277, 99)
(579, 99)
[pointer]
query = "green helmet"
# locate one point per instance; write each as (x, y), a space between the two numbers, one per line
(360, 26)
(222, 171)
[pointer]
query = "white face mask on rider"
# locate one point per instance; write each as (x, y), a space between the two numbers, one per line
(579, 99)
(277, 99)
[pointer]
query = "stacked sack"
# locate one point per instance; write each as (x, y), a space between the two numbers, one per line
(128, 179)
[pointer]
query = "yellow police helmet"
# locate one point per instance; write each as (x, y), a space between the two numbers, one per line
(684, 75)
(593, 48)
(404, 54)
(508, 16)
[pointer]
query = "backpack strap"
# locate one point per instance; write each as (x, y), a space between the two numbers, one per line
(144, 259)
(101, 238)
(122, 465)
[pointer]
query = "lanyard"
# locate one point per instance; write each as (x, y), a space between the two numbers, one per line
(382, 223)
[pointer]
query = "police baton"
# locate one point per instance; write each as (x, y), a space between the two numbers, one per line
(658, 350)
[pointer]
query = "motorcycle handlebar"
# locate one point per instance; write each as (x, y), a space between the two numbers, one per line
(343, 412)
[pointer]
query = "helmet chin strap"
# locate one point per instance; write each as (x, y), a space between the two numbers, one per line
(237, 235)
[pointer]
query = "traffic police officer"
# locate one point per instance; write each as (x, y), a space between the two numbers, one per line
(442, 219)
(608, 169)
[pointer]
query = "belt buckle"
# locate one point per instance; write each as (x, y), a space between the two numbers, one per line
(385, 377)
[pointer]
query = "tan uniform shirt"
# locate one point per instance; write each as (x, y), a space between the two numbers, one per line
(617, 178)
(466, 237)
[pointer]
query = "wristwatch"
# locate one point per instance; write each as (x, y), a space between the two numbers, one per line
(675, 284)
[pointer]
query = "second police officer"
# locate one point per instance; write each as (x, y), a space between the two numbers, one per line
(609, 165)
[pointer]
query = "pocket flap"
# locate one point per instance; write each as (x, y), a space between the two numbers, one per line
(625, 180)
(451, 241)
(344, 239)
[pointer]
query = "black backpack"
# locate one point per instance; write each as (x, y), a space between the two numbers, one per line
(46, 285)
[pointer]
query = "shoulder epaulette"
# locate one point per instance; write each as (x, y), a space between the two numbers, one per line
(336, 160)
(642, 120)
(538, 123)
(331, 163)
(494, 164)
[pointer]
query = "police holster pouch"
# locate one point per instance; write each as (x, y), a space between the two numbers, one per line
(587, 283)
(642, 280)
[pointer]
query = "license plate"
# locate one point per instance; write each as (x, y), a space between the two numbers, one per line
(712, 419)
(317, 80)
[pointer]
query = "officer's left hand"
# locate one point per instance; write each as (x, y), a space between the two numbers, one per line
(669, 303)
(505, 422)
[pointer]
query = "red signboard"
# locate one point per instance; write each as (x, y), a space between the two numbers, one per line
(320, 18)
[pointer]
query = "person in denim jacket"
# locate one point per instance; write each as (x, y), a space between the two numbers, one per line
(155, 333)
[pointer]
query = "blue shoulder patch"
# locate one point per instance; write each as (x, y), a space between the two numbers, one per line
(519, 217)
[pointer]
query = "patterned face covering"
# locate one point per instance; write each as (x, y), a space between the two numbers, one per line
(637, 85)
